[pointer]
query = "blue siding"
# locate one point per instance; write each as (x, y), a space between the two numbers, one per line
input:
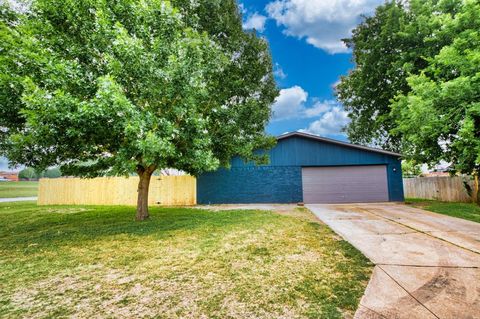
(395, 181)
(264, 184)
(280, 181)
(300, 151)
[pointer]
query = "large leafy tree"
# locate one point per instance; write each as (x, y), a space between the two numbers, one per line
(395, 42)
(246, 84)
(439, 119)
(113, 87)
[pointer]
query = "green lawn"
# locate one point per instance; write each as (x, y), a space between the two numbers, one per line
(467, 211)
(18, 189)
(60, 261)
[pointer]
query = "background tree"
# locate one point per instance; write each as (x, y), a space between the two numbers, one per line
(114, 87)
(439, 119)
(52, 173)
(31, 173)
(28, 173)
(387, 47)
(411, 169)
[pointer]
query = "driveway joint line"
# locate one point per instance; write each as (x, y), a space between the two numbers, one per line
(409, 292)
(429, 266)
(419, 231)
(446, 231)
(370, 309)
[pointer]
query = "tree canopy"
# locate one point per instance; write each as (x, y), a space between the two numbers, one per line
(387, 48)
(27, 173)
(113, 87)
(416, 86)
(439, 118)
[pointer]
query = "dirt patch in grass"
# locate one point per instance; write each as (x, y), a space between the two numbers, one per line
(97, 262)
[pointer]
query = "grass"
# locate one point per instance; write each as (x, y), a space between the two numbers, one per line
(62, 261)
(18, 189)
(469, 211)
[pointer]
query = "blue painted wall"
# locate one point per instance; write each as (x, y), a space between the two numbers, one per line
(263, 184)
(281, 180)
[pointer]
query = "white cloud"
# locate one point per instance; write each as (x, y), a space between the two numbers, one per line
(20, 6)
(289, 103)
(323, 23)
(334, 85)
(278, 72)
(255, 21)
(329, 116)
(330, 123)
(319, 107)
(241, 8)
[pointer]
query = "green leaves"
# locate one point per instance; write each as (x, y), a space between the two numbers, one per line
(417, 81)
(439, 118)
(103, 87)
(396, 42)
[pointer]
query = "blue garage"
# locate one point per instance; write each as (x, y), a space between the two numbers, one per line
(310, 169)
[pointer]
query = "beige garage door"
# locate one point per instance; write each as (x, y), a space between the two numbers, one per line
(345, 184)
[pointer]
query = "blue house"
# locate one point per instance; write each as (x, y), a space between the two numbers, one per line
(310, 169)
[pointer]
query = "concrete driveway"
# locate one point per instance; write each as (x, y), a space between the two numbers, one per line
(17, 199)
(427, 265)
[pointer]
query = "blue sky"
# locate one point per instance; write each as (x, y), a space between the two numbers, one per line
(309, 57)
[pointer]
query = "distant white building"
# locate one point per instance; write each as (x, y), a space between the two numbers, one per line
(171, 172)
(441, 169)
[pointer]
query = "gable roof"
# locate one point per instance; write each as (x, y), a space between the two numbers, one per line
(337, 142)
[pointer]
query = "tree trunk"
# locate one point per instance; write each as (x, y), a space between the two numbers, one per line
(477, 189)
(143, 186)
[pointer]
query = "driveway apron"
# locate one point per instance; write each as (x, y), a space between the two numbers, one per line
(427, 265)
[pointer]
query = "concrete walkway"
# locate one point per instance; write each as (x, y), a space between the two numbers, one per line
(427, 265)
(16, 199)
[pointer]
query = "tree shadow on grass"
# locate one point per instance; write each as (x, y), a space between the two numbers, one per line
(48, 226)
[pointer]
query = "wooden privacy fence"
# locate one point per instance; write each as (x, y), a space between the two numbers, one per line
(164, 190)
(443, 188)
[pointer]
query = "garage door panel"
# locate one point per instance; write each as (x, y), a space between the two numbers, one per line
(345, 184)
